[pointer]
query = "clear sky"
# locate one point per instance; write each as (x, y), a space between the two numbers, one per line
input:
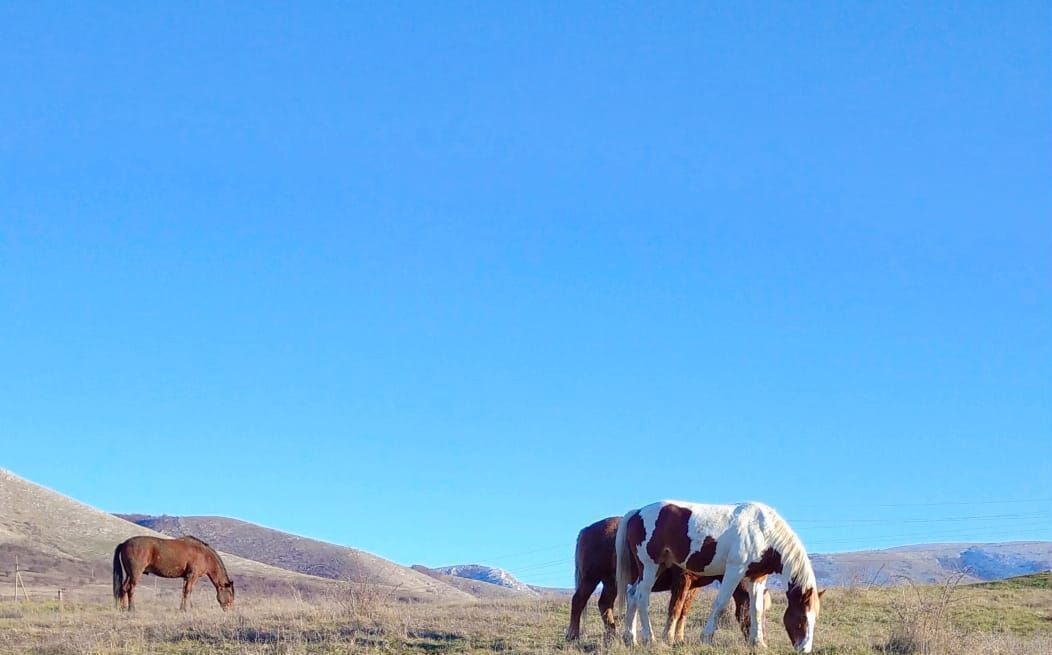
(448, 281)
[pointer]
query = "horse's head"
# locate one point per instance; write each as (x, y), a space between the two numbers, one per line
(801, 615)
(225, 594)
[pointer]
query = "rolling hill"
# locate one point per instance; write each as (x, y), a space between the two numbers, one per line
(304, 555)
(64, 544)
(488, 574)
(928, 563)
(477, 588)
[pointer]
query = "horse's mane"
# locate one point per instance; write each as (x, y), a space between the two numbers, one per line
(219, 560)
(796, 564)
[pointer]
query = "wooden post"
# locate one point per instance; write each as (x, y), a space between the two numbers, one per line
(19, 582)
(60, 608)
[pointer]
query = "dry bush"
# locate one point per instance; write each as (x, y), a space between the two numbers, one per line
(923, 625)
(362, 597)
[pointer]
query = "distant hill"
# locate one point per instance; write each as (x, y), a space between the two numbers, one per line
(490, 575)
(1033, 581)
(304, 555)
(476, 588)
(64, 544)
(933, 563)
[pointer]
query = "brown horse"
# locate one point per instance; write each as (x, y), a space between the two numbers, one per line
(596, 562)
(186, 557)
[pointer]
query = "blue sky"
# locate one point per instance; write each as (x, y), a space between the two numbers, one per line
(449, 283)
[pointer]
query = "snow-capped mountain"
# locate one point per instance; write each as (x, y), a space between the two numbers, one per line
(489, 574)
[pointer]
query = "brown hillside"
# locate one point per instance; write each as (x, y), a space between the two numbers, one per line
(64, 544)
(303, 555)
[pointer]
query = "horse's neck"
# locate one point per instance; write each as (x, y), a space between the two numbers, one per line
(218, 576)
(794, 560)
(216, 571)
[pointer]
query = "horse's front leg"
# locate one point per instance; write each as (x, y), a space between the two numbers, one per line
(731, 578)
(188, 588)
(757, 609)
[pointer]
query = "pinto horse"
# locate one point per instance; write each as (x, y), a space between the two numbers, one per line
(596, 562)
(187, 557)
(743, 543)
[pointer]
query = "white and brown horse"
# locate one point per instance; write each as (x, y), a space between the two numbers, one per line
(596, 563)
(743, 543)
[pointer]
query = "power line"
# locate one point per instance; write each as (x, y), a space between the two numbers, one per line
(544, 565)
(1015, 521)
(970, 502)
(835, 523)
(928, 536)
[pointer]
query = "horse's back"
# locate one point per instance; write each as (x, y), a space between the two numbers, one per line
(139, 543)
(706, 518)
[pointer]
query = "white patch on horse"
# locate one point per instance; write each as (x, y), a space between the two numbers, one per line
(809, 638)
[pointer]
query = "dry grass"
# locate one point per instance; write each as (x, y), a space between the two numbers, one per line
(1015, 620)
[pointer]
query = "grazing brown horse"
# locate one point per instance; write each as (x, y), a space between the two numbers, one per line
(596, 562)
(186, 557)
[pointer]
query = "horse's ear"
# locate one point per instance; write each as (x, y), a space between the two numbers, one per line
(820, 593)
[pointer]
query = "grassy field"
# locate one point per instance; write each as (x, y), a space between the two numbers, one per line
(1007, 617)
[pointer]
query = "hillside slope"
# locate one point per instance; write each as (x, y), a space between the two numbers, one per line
(62, 543)
(304, 555)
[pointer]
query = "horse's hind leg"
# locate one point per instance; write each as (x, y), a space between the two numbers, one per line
(128, 590)
(606, 606)
(677, 596)
(642, 593)
(577, 607)
(681, 623)
(741, 609)
(631, 614)
(133, 575)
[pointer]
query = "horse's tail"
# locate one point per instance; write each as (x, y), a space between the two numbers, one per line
(624, 562)
(578, 560)
(118, 575)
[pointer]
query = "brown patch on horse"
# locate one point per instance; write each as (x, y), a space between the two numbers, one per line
(770, 562)
(799, 602)
(701, 558)
(671, 535)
